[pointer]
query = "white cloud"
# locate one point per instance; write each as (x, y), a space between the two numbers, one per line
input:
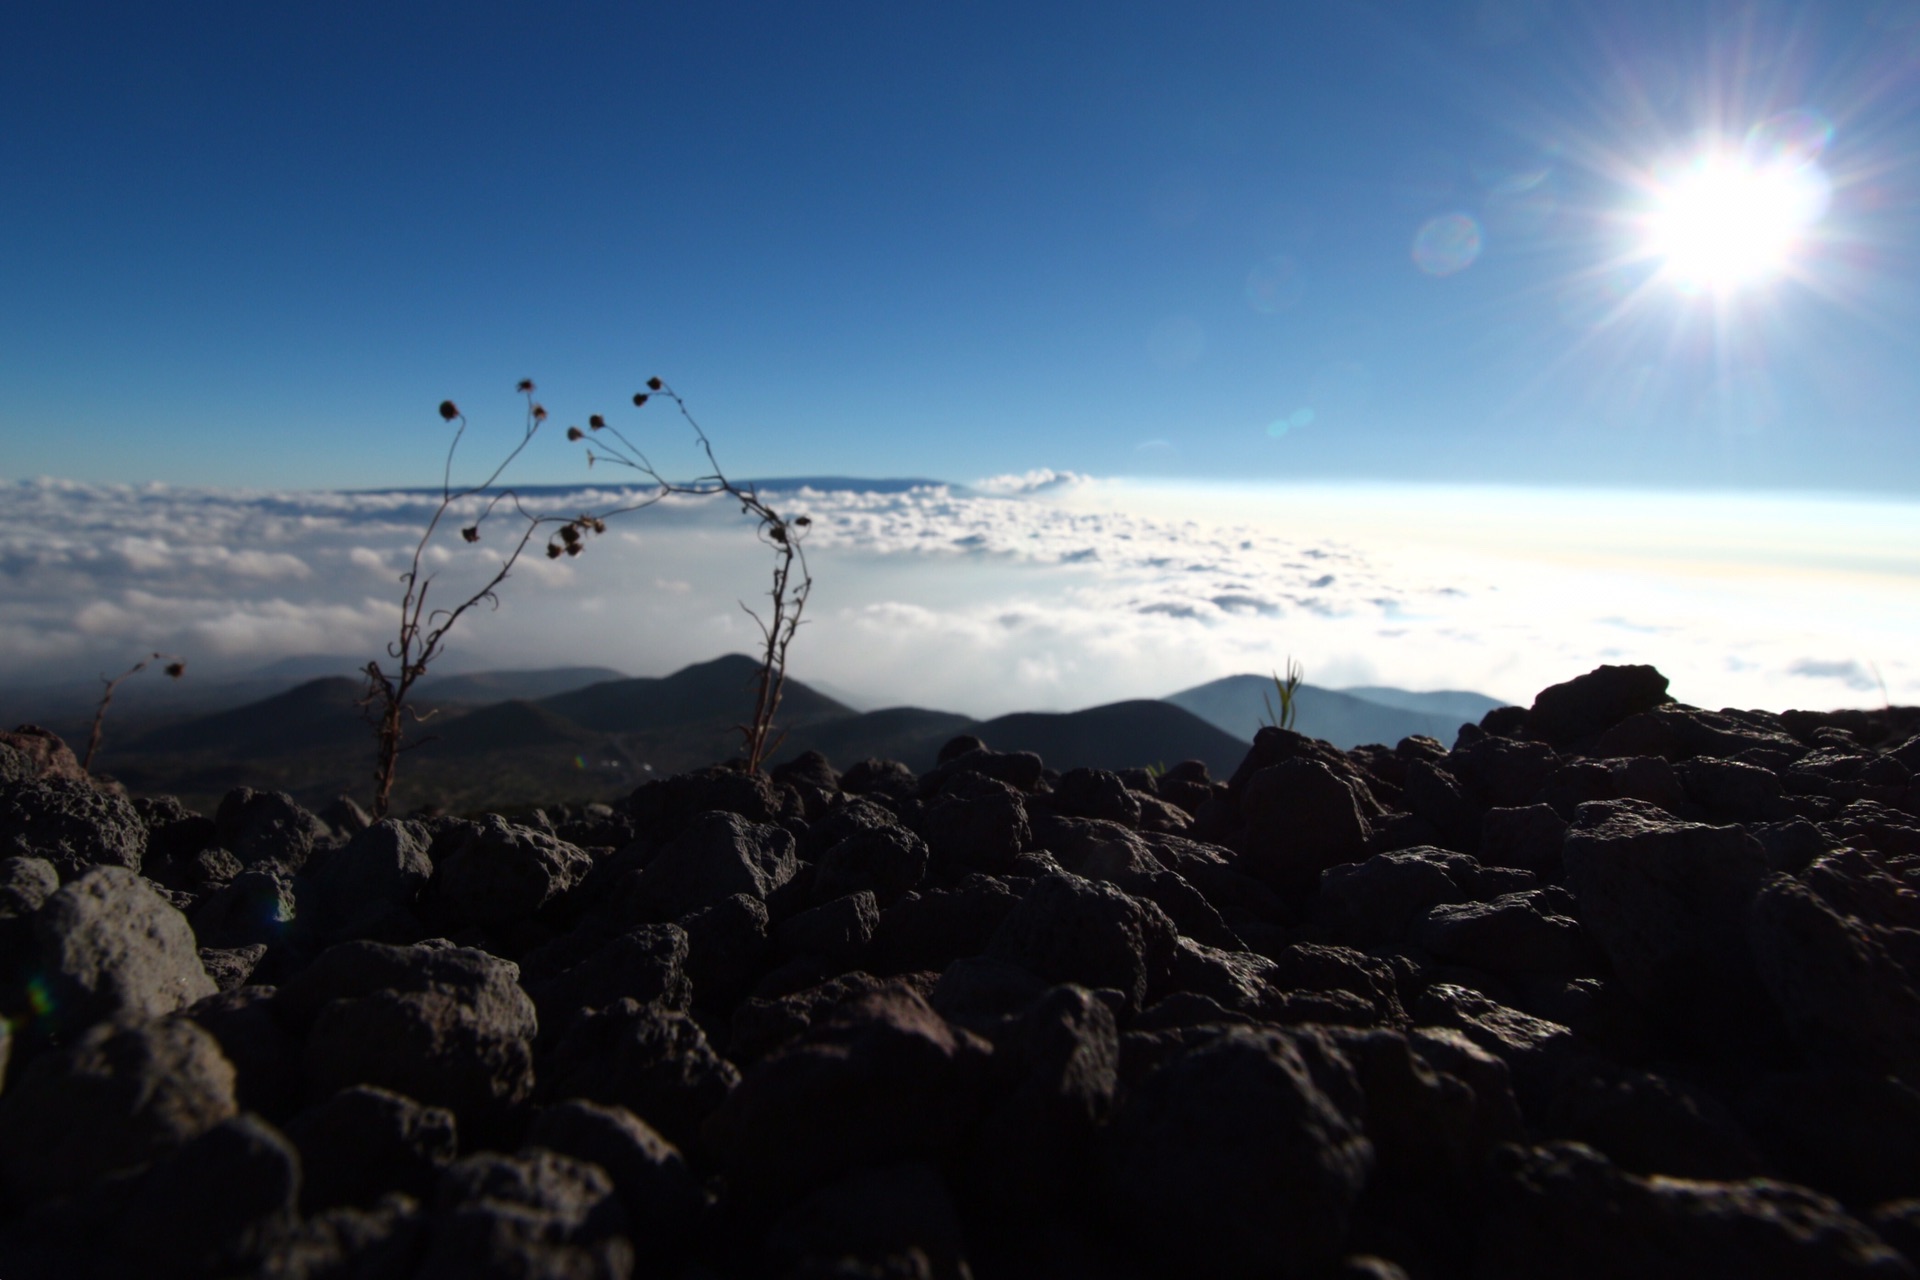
(1069, 594)
(1042, 480)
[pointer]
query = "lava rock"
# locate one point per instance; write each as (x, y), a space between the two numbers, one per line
(718, 854)
(1563, 1209)
(535, 1214)
(883, 1079)
(261, 826)
(1667, 901)
(364, 1142)
(501, 872)
(119, 1097)
(1245, 1156)
(70, 823)
(108, 946)
(664, 1203)
(655, 1062)
(1068, 929)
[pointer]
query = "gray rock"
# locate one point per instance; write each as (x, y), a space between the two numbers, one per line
(665, 1203)
(70, 823)
(377, 875)
(364, 1143)
(718, 855)
(230, 967)
(118, 1098)
(655, 1062)
(535, 1214)
(25, 885)
(257, 908)
(218, 1206)
(108, 946)
(500, 872)
(262, 826)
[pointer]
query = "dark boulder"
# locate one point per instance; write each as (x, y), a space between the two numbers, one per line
(1302, 817)
(1516, 933)
(646, 963)
(1377, 901)
(933, 929)
(257, 908)
(70, 823)
(262, 826)
(885, 861)
(981, 825)
(1068, 929)
(662, 809)
(1564, 1210)
(883, 1079)
(898, 1220)
(369, 887)
(655, 1062)
(838, 931)
(119, 1097)
(108, 946)
(718, 854)
(364, 1143)
(220, 1205)
(535, 1214)
(499, 872)
(664, 1202)
(1667, 902)
(1243, 1157)
(1567, 714)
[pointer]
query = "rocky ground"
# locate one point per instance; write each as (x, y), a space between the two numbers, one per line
(1613, 987)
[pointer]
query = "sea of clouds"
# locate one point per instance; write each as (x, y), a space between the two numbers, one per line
(1048, 590)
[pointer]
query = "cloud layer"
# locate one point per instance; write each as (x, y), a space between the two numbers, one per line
(1045, 590)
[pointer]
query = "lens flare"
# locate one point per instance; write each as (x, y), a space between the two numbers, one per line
(1274, 286)
(1446, 244)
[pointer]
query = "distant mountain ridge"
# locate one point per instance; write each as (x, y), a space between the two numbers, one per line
(1346, 718)
(502, 736)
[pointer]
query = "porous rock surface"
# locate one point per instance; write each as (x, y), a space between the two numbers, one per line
(1609, 986)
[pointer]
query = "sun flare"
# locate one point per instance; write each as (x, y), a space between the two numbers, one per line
(1726, 219)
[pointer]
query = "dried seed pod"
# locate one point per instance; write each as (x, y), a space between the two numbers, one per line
(449, 411)
(176, 669)
(471, 533)
(639, 399)
(575, 433)
(539, 413)
(654, 384)
(525, 386)
(553, 551)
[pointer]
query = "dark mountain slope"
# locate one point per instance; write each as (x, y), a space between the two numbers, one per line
(707, 694)
(1120, 735)
(320, 716)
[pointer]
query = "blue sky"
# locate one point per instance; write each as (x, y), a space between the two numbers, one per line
(1459, 344)
(251, 245)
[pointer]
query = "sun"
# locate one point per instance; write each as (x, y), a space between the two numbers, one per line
(1726, 218)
